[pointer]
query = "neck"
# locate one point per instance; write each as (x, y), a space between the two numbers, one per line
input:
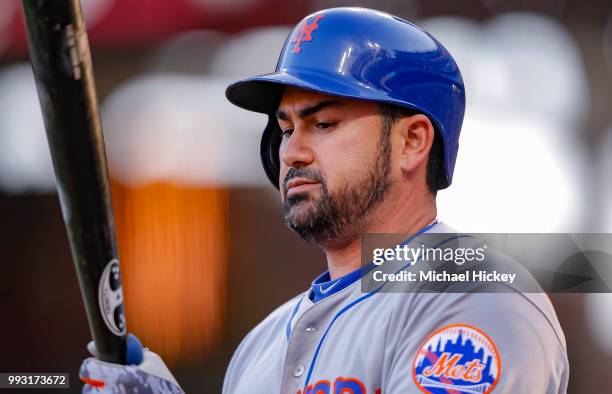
(405, 216)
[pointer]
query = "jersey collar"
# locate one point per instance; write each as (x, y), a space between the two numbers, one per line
(323, 286)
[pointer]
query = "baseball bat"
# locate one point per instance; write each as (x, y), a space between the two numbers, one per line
(61, 61)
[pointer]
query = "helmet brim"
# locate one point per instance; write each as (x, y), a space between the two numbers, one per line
(263, 93)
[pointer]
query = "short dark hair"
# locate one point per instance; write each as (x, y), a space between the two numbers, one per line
(435, 163)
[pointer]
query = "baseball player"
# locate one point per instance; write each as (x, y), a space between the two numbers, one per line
(365, 111)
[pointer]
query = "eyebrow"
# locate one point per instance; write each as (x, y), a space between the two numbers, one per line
(310, 110)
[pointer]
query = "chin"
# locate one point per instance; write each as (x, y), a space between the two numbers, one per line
(299, 208)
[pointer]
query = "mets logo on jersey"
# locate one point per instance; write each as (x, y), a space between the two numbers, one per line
(458, 359)
(304, 31)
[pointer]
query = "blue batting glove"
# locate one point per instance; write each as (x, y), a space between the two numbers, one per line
(145, 373)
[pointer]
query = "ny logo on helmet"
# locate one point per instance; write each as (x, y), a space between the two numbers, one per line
(304, 32)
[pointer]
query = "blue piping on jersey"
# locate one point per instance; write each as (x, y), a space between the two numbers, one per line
(346, 308)
(297, 307)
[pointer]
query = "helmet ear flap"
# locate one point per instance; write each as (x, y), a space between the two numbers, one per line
(270, 144)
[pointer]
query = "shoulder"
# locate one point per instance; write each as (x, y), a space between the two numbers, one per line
(506, 302)
(516, 339)
(474, 334)
(520, 331)
(500, 311)
(502, 340)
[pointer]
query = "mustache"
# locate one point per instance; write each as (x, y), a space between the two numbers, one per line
(306, 173)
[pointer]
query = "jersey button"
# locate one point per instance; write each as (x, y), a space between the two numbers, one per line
(310, 329)
(299, 370)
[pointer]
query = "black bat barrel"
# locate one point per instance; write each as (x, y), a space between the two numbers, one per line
(61, 62)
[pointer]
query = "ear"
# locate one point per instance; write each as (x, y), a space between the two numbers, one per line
(416, 135)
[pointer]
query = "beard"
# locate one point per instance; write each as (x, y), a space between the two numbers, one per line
(335, 219)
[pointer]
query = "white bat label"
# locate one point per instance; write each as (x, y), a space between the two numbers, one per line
(110, 297)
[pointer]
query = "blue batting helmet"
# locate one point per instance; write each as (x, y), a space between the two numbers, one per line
(362, 54)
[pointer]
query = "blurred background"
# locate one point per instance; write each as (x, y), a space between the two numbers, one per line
(204, 251)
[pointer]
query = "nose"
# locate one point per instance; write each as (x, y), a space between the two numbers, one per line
(295, 150)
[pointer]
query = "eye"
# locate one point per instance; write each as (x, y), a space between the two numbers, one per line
(324, 125)
(286, 132)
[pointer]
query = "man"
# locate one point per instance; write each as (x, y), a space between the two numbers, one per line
(365, 111)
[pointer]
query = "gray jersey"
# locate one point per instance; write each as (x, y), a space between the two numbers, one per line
(371, 343)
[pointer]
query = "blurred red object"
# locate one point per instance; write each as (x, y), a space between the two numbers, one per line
(125, 24)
